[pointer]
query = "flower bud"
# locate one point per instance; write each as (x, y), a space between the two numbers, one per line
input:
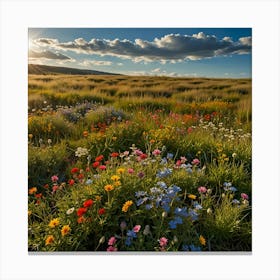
(209, 211)
(164, 214)
(102, 240)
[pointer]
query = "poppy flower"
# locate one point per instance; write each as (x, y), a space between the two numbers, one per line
(81, 220)
(81, 176)
(81, 211)
(74, 170)
(102, 167)
(99, 158)
(115, 154)
(71, 182)
(101, 211)
(95, 164)
(88, 203)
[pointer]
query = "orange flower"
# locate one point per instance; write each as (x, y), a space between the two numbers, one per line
(32, 190)
(108, 188)
(126, 205)
(54, 222)
(81, 220)
(49, 240)
(202, 240)
(65, 230)
(85, 133)
(192, 196)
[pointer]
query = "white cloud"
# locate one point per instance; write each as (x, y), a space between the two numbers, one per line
(169, 48)
(95, 63)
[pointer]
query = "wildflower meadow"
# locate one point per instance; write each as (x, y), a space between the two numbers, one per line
(129, 163)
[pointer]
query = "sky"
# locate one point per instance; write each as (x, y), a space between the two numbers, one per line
(175, 52)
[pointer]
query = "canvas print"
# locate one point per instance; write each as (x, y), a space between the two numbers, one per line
(140, 140)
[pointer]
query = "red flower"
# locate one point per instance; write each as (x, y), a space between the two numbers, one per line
(114, 154)
(74, 170)
(143, 156)
(71, 182)
(81, 211)
(38, 195)
(99, 158)
(81, 176)
(95, 164)
(101, 211)
(88, 203)
(46, 186)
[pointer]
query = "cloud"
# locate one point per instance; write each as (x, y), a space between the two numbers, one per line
(96, 63)
(169, 48)
(47, 55)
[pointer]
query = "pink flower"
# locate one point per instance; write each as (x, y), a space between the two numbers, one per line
(112, 249)
(126, 153)
(138, 152)
(189, 130)
(183, 159)
(130, 170)
(112, 241)
(102, 167)
(137, 228)
(196, 161)
(163, 242)
(54, 178)
(156, 152)
(54, 188)
(202, 189)
(244, 196)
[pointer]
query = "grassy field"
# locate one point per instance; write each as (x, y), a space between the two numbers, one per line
(122, 163)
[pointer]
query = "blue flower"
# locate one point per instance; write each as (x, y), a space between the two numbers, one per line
(164, 173)
(193, 214)
(197, 206)
(194, 248)
(140, 193)
(169, 155)
(172, 224)
(178, 220)
(141, 201)
(236, 201)
(128, 241)
(165, 206)
(227, 184)
(131, 233)
(181, 211)
(163, 161)
(162, 185)
(185, 247)
(148, 206)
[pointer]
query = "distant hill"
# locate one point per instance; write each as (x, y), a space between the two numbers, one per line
(36, 69)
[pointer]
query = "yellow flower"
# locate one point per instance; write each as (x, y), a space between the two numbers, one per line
(97, 197)
(120, 171)
(65, 230)
(29, 212)
(108, 188)
(114, 138)
(32, 190)
(117, 184)
(202, 240)
(126, 205)
(115, 178)
(192, 196)
(54, 222)
(49, 240)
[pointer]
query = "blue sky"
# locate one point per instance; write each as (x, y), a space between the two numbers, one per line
(186, 52)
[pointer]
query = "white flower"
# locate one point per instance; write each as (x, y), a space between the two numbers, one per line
(81, 152)
(70, 211)
(234, 155)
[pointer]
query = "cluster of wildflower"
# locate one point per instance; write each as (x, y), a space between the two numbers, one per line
(80, 152)
(132, 234)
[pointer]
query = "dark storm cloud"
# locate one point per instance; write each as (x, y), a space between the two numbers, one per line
(171, 47)
(48, 55)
